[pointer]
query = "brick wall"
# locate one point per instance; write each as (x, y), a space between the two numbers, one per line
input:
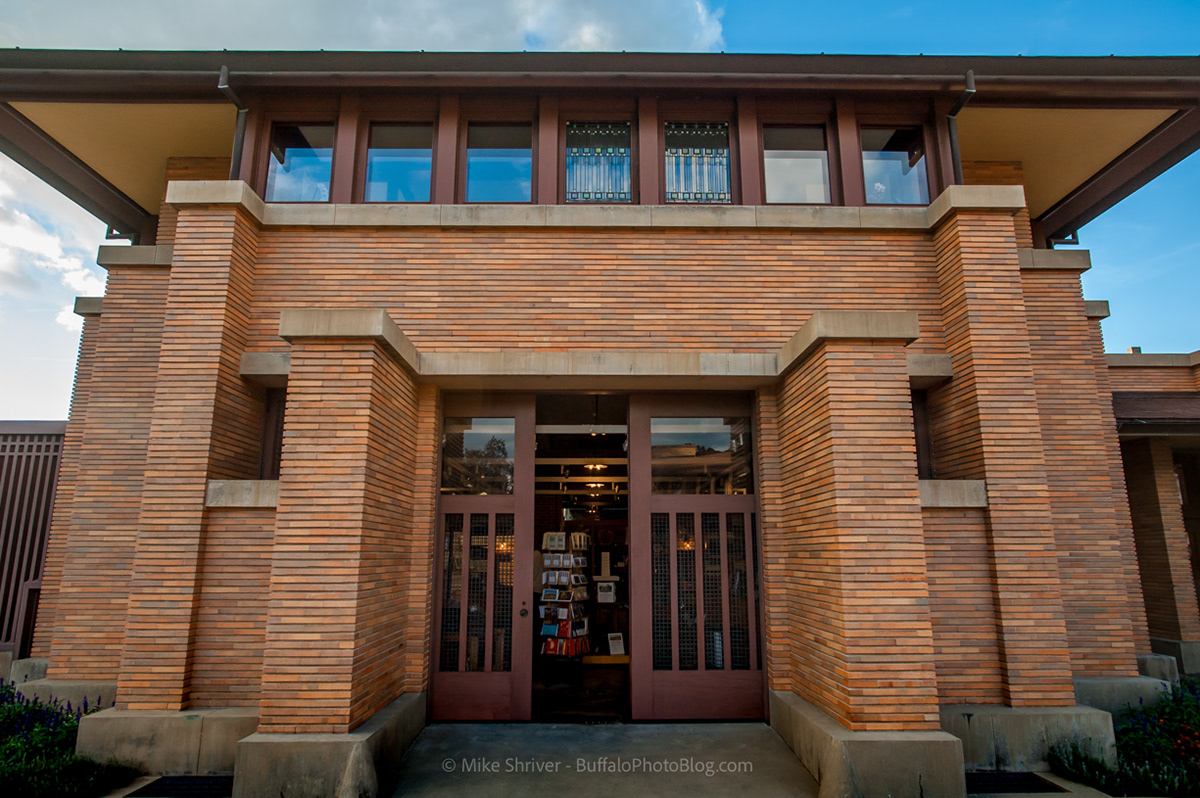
(231, 607)
(1002, 173)
(89, 630)
(186, 169)
(962, 607)
(1154, 378)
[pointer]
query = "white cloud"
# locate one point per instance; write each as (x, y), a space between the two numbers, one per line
(654, 25)
(67, 318)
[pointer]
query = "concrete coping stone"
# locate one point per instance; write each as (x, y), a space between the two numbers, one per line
(1152, 360)
(266, 368)
(191, 741)
(998, 737)
(829, 325)
(153, 255)
(1096, 308)
(926, 370)
(1071, 260)
(953, 493)
(89, 305)
(238, 193)
(242, 493)
(374, 323)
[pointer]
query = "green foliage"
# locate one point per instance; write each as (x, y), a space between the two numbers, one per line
(1158, 749)
(37, 750)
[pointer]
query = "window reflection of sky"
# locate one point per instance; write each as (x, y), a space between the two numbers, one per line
(795, 176)
(302, 176)
(398, 175)
(890, 180)
(499, 175)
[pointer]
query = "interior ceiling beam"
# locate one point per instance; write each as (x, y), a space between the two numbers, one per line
(1159, 150)
(34, 149)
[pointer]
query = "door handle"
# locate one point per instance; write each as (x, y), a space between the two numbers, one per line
(524, 613)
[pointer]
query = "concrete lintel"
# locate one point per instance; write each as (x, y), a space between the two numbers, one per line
(1121, 360)
(493, 215)
(597, 215)
(216, 192)
(747, 369)
(1069, 260)
(702, 216)
(242, 493)
(1096, 308)
(850, 764)
(1113, 694)
(953, 493)
(266, 368)
(154, 255)
(974, 198)
(195, 741)
(89, 305)
(996, 737)
(97, 692)
(827, 325)
(374, 323)
(382, 215)
(926, 371)
(1185, 652)
(363, 763)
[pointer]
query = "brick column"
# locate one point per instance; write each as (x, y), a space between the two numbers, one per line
(89, 629)
(336, 631)
(1163, 557)
(1075, 435)
(68, 471)
(843, 542)
(205, 425)
(985, 425)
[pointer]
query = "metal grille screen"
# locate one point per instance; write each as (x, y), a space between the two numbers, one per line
(660, 581)
(477, 592)
(685, 531)
(502, 600)
(451, 592)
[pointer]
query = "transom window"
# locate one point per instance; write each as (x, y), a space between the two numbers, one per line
(399, 163)
(796, 165)
(894, 166)
(499, 163)
(300, 164)
(697, 162)
(701, 455)
(598, 162)
(478, 456)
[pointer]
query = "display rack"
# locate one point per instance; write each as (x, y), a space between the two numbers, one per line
(563, 609)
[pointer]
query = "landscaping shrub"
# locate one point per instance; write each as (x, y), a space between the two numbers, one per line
(1158, 749)
(37, 750)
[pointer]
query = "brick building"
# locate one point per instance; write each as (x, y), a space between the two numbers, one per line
(772, 357)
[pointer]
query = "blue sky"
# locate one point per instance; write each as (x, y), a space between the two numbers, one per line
(1145, 251)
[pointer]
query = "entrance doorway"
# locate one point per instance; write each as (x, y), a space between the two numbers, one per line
(597, 559)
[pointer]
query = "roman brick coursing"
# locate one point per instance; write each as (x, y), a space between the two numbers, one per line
(985, 424)
(185, 169)
(89, 630)
(1069, 403)
(843, 543)
(1154, 378)
(1002, 173)
(1163, 556)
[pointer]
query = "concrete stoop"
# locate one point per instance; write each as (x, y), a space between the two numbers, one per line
(1159, 666)
(361, 764)
(1185, 652)
(1115, 694)
(996, 737)
(166, 742)
(75, 691)
(854, 764)
(30, 669)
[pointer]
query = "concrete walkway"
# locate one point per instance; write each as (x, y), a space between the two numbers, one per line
(693, 759)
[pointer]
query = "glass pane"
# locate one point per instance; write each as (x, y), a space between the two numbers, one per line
(685, 570)
(477, 598)
(739, 619)
(700, 455)
(499, 163)
(598, 162)
(714, 619)
(399, 163)
(502, 601)
(477, 456)
(451, 592)
(894, 166)
(795, 164)
(301, 161)
(660, 586)
(697, 166)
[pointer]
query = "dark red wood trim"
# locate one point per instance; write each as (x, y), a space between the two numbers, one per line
(649, 153)
(749, 150)
(445, 150)
(345, 144)
(849, 154)
(546, 152)
(1165, 146)
(250, 148)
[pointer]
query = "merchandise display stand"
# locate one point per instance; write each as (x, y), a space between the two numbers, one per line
(565, 594)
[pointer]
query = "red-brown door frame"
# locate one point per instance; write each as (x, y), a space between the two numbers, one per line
(488, 695)
(675, 694)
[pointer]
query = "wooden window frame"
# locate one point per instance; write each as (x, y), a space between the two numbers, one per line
(497, 111)
(878, 118)
(606, 110)
(813, 115)
(318, 111)
(703, 112)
